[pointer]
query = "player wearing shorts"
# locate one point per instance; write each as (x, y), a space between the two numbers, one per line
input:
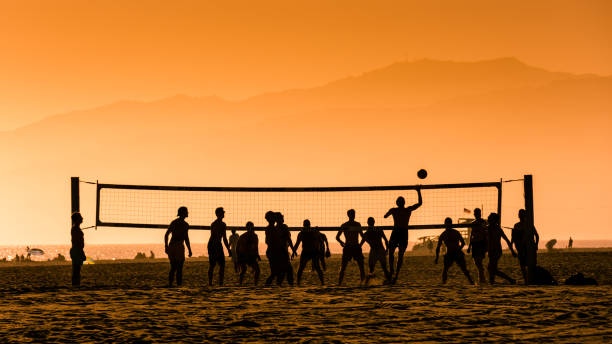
(378, 253)
(525, 239)
(247, 252)
(351, 249)
(233, 240)
(399, 234)
(495, 234)
(454, 243)
(218, 231)
(175, 249)
(279, 239)
(478, 243)
(323, 251)
(311, 245)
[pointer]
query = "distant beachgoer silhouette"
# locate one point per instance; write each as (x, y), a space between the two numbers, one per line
(311, 250)
(454, 243)
(495, 234)
(351, 249)
(525, 239)
(399, 234)
(378, 253)
(247, 252)
(478, 243)
(570, 243)
(278, 239)
(218, 232)
(233, 240)
(77, 253)
(176, 249)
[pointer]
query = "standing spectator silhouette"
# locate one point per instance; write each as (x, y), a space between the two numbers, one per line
(77, 253)
(179, 229)
(351, 249)
(525, 239)
(495, 234)
(399, 234)
(570, 243)
(454, 243)
(478, 243)
(218, 232)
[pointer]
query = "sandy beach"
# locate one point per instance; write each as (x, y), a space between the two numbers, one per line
(127, 301)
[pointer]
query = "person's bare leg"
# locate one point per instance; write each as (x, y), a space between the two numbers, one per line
(221, 272)
(211, 270)
(481, 272)
(319, 271)
(445, 274)
(179, 273)
(400, 261)
(342, 268)
(361, 270)
(383, 264)
(242, 273)
(171, 274)
(524, 272)
(257, 271)
(303, 263)
(391, 258)
(466, 273)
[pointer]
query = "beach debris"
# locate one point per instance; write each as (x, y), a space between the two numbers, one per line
(89, 261)
(245, 323)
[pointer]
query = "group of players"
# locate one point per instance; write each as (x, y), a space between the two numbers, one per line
(244, 249)
(485, 237)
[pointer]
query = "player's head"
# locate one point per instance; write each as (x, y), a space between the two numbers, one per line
(249, 226)
(307, 223)
(400, 201)
(371, 221)
(220, 212)
(182, 212)
(270, 217)
(522, 214)
(351, 214)
(280, 219)
(493, 218)
(477, 213)
(448, 222)
(76, 217)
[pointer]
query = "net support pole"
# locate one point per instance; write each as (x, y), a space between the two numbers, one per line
(528, 187)
(75, 195)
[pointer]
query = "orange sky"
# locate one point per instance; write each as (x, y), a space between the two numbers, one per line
(64, 55)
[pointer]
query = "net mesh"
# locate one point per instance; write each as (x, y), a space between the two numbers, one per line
(156, 208)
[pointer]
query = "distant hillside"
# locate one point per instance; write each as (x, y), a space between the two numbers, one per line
(463, 121)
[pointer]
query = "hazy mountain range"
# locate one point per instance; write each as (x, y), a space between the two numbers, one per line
(463, 121)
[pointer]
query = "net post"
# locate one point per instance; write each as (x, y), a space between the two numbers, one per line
(75, 195)
(499, 201)
(528, 189)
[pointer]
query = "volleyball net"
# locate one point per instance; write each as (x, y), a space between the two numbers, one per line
(149, 206)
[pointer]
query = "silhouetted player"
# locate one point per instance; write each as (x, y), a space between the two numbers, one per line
(351, 249)
(247, 252)
(311, 250)
(175, 249)
(77, 253)
(525, 239)
(378, 253)
(218, 231)
(278, 239)
(454, 243)
(495, 234)
(233, 240)
(478, 243)
(399, 234)
(570, 243)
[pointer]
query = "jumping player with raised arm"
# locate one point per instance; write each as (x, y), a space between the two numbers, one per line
(179, 229)
(378, 253)
(399, 234)
(350, 248)
(247, 252)
(216, 255)
(453, 241)
(311, 244)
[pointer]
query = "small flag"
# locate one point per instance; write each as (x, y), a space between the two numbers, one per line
(467, 211)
